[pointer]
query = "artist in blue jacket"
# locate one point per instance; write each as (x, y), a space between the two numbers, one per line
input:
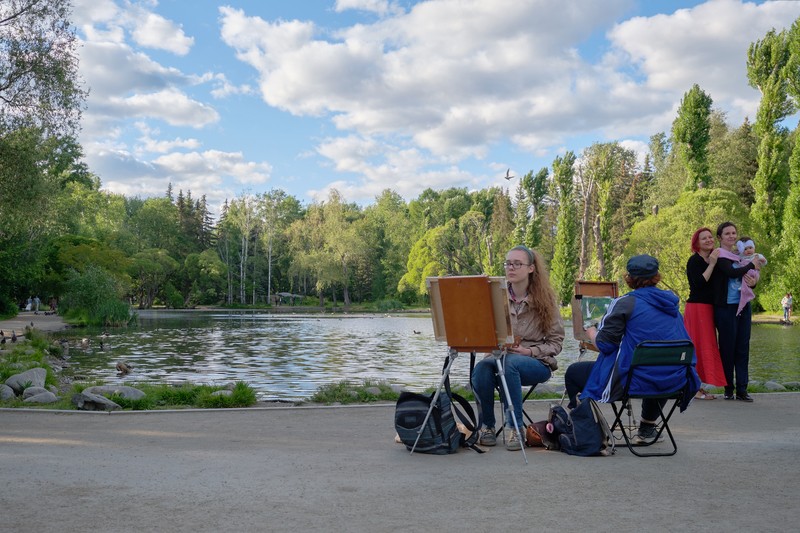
(646, 313)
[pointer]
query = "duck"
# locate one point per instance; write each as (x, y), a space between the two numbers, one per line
(3, 341)
(84, 343)
(123, 367)
(416, 332)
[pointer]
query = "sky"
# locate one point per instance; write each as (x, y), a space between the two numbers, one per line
(224, 99)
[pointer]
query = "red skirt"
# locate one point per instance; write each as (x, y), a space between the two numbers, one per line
(699, 322)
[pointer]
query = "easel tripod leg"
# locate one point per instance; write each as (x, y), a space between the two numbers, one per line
(504, 387)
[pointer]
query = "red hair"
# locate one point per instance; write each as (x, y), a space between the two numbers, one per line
(696, 238)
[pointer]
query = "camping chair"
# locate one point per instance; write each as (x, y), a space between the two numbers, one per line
(655, 354)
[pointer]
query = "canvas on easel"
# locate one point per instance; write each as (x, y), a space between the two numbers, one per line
(589, 304)
(470, 313)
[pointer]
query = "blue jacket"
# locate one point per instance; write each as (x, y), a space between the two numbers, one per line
(648, 313)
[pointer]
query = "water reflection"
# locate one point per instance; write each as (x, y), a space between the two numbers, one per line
(289, 356)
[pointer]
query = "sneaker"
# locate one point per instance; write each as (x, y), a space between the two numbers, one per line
(744, 397)
(487, 437)
(512, 441)
(646, 435)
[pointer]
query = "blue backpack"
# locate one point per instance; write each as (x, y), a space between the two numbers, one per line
(582, 431)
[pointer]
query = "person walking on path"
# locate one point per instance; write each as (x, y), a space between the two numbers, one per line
(699, 312)
(786, 303)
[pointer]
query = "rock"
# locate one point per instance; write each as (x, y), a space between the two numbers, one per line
(397, 388)
(33, 391)
(129, 393)
(86, 401)
(375, 391)
(34, 377)
(223, 392)
(6, 392)
(774, 386)
(42, 397)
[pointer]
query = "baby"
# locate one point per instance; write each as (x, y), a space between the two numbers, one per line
(747, 254)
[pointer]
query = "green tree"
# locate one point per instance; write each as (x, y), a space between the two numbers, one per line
(39, 83)
(564, 265)
(766, 62)
(150, 271)
(690, 133)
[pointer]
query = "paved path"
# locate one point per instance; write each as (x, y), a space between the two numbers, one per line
(337, 469)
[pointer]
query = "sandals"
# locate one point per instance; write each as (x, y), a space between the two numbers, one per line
(703, 395)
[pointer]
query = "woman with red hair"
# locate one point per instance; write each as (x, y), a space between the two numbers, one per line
(698, 316)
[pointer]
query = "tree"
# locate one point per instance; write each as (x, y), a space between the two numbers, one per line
(536, 192)
(766, 63)
(39, 83)
(690, 133)
(564, 266)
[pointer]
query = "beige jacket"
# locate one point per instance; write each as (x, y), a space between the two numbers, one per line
(546, 340)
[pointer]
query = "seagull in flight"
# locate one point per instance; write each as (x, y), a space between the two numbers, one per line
(508, 175)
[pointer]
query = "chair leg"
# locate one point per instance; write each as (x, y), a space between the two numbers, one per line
(663, 424)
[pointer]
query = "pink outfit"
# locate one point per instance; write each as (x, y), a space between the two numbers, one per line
(747, 291)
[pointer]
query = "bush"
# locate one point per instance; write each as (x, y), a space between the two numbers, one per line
(92, 297)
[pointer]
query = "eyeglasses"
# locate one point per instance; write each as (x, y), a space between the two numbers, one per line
(513, 265)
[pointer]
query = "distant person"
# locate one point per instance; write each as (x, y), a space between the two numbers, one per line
(645, 313)
(733, 326)
(36, 302)
(537, 323)
(29, 303)
(786, 303)
(698, 316)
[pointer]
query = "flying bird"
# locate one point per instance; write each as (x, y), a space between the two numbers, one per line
(508, 175)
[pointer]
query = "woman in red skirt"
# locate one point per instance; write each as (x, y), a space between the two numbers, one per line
(699, 313)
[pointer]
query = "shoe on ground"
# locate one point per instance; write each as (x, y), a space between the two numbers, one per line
(647, 435)
(487, 437)
(744, 397)
(513, 442)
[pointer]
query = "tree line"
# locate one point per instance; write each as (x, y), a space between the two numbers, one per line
(62, 236)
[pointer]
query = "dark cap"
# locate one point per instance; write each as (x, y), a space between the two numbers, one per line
(643, 266)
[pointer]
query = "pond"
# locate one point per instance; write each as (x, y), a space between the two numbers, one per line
(288, 356)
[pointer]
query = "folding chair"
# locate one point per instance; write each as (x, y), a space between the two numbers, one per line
(671, 353)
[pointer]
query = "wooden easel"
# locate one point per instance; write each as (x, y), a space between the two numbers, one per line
(471, 314)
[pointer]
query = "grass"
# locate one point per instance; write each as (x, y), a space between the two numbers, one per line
(348, 392)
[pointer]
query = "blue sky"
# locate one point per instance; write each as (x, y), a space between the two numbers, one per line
(240, 97)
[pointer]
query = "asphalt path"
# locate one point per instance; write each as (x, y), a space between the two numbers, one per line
(339, 469)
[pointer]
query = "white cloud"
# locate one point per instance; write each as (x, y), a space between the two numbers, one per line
(153, 31)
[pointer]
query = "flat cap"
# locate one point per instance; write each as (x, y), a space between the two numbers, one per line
(642, 266)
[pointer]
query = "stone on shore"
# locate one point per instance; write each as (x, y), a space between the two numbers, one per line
(33, 378)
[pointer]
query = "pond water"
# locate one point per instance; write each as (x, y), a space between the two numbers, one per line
(288, 356)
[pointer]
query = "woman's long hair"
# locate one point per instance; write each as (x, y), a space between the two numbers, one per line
(541, 296)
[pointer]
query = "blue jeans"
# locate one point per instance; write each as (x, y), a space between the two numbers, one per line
(520, 370)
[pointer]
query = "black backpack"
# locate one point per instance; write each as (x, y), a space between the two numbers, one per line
(440, 435)
(582, 431)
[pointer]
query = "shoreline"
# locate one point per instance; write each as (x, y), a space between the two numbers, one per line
(55, 323)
